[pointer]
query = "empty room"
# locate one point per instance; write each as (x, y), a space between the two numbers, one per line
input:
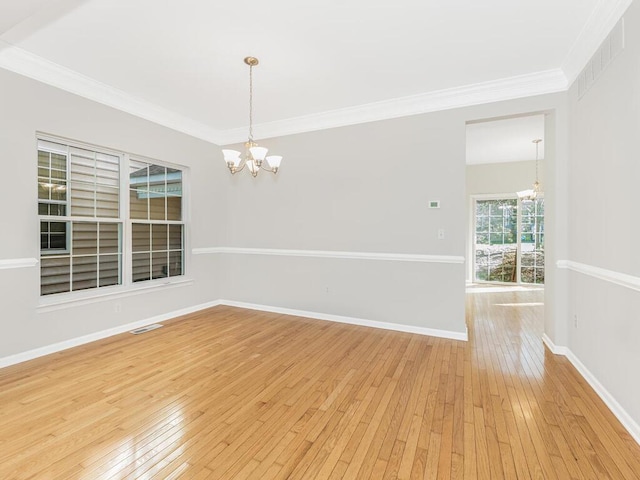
(319, 240)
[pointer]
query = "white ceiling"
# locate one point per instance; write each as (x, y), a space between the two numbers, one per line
(15, 12)
(323, 62)
(505, 140)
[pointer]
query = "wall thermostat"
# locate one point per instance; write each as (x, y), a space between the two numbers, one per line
(434, 203)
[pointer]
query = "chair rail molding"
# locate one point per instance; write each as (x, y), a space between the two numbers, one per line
(9, 263)
(624, 280)
(397, 257)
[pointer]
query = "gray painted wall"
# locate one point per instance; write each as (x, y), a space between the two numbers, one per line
(505, 177)
(361, 188)
(604, 227)
(366, 188)
(26, 107)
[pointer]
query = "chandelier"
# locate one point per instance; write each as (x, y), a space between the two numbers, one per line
(255, 158)
(531, 194)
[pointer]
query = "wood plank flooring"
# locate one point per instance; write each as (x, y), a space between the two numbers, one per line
(229, 393)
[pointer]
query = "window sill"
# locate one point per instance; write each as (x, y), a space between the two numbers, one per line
(62, 301)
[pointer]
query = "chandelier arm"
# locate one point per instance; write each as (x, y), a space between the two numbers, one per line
(239, 169)
(267, 169)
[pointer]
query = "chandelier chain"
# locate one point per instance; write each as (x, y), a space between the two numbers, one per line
(251, 103)
(537, 143)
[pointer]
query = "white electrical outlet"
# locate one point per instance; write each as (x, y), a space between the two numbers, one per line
(441, 234)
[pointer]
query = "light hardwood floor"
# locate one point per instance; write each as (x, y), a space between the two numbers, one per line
(231, 393)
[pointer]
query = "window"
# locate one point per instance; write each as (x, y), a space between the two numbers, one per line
(52, 196)
(532, 238)
(496, 236)
(84, 217)
(156, 212)
(509, 240)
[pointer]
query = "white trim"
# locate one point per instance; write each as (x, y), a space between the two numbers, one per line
(617, 278)
(397, 257)
(621, 414)
(599, 25)
(38, 68)
(9, 263)
(33, 66)
(538, 83)
(602, 20)
(350, 320)
(88, 297)
(492, 287)
(92, 337)
(555, 349)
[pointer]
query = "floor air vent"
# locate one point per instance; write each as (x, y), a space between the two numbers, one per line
(148, 328)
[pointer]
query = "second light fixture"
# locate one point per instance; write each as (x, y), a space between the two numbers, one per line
(532, 193)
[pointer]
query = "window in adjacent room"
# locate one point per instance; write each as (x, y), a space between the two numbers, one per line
(509, 240)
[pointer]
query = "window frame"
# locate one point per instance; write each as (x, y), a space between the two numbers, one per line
(67, 203)
(149, 221)
(474, 199)
(56, 251)
(127, 286)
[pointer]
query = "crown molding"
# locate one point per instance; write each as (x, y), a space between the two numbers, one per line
(20, 61)
(539, 83)
(602, 20)
(25, 63)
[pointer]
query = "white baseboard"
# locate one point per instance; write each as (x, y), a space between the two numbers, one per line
(555, 349)
(92, 337)
(627, 421)
(621, 414)
(351, 320)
